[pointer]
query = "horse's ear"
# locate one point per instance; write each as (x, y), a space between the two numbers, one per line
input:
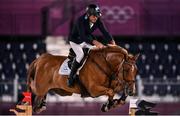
(136, 56)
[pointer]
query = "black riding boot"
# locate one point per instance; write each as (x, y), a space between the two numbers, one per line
(72, 74)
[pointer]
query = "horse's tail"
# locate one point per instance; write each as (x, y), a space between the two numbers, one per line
(31, 75)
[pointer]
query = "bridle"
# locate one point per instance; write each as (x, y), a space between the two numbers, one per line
(114, 75)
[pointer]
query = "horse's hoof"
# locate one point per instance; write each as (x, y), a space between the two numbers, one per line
(42, 109)
(104, 108)
(115, 102)
(122, 102)
(39, 110)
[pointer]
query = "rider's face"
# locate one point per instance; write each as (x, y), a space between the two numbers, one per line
(93, 18)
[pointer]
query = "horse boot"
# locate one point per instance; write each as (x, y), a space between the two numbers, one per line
(72, 75)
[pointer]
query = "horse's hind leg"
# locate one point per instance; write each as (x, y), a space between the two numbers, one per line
(39, 104)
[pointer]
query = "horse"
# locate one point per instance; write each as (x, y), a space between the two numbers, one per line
(107, 71)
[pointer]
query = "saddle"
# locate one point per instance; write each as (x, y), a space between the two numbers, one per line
(65, 68)
(68, 62)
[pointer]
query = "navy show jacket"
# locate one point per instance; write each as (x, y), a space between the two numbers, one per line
(81, 31)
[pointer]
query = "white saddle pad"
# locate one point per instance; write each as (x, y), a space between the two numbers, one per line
(64, 69)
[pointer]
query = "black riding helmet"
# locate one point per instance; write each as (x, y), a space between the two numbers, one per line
(93, 9)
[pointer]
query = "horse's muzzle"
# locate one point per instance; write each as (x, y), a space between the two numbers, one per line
(130, 92)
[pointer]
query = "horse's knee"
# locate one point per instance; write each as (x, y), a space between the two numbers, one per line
(110, 93)
(100, 90)
(41, 91)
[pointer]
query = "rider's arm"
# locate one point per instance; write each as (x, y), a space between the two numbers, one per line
(105, 32)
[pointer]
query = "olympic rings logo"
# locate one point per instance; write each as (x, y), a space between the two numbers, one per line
(116, 14)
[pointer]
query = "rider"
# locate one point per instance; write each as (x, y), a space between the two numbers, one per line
(81, 36)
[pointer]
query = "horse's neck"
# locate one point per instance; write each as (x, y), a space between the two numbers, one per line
(116, 49)
(99, 58)
(102, 59)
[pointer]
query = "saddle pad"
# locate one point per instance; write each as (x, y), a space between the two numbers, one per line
(64, 69)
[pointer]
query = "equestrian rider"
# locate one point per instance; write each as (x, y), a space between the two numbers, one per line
(81, 36)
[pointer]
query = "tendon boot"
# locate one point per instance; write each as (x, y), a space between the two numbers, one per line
(72, 75)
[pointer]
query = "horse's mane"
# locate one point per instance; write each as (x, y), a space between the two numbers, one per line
(111, 49)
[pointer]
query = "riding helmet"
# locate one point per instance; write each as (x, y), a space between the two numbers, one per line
(93, 9)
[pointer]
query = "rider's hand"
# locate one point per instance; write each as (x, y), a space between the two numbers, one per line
(98, 44)
(112, 43)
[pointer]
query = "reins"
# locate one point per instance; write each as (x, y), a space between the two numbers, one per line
(114, 74)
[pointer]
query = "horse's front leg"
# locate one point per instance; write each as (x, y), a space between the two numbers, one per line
(101, 90)
(121, 101)
(113, 103)
(108, 105)
(39, 104)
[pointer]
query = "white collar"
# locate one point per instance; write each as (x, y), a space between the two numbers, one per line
(91, 24)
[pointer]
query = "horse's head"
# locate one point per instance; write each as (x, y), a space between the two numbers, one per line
(124, 68)
(129, 74)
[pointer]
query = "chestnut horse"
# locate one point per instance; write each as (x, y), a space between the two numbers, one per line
(107, 71)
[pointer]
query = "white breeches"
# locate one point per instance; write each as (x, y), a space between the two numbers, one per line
(78, 49)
